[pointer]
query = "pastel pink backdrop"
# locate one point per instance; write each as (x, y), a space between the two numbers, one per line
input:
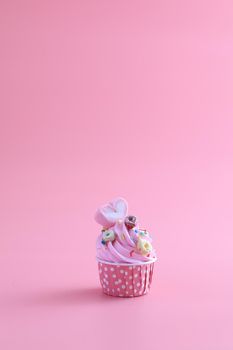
(107, 98)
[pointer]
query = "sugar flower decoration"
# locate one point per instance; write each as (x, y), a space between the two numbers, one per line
(108, 235)
(144, 246)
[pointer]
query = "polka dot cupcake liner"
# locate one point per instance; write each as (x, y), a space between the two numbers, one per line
(122, 280)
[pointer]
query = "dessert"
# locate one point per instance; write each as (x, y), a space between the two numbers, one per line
(124, 251)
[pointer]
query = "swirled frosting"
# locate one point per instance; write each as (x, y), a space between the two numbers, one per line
(121, 240)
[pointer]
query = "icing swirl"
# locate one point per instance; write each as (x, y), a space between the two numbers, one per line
(121, 239)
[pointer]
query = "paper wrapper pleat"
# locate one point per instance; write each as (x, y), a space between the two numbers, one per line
(125, 280)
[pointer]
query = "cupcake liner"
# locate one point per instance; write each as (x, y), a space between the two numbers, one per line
(125, 280)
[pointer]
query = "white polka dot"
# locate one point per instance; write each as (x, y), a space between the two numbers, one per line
(106, 275)
(106, 269)
(100, 264)
(130, 277)
(135, 290)
(126, 292)
(121, 271)
(130, 268)
(106, 282)
(119, 281)
(114, 276)
(130, 287)
(123, 287)
(118, 289)
(138, 268)
(112, 269)
(126, 283)
(136, 275)
(116, 283)
(140, 292)
(120, 295)
(126, 273)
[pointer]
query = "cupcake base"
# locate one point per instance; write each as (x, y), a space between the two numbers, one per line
(125, 280)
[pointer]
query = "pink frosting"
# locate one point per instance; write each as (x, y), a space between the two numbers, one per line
(123, 249)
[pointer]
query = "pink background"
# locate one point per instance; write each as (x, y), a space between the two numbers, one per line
(107, 98)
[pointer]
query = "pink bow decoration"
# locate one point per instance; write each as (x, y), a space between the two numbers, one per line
(112, 213)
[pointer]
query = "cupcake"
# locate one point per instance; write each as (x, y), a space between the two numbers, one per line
(124, 252)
